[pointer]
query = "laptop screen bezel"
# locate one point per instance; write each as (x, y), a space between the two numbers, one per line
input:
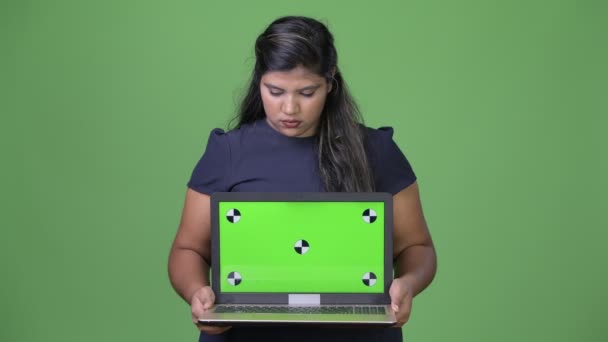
(283, 298)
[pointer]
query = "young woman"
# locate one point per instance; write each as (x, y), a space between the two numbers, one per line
(300, 130)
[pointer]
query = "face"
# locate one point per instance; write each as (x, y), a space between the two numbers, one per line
(293, 100)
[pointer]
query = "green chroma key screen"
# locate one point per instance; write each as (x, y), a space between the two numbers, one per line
(301, 247)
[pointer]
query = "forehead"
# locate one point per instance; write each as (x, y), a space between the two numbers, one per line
(296, 77)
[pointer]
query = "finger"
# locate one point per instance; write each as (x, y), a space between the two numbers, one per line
(202, 301)
(397, 300)
(207, 297)
(212, 330)
(207, 304)
(403, 318)
(197, 309)
(403, 315)
(397, 294)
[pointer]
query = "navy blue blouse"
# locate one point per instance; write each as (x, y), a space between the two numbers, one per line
(258, 158)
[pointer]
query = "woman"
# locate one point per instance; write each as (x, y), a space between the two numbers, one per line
(299, 130)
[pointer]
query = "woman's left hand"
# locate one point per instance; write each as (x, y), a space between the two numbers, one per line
(401, 300)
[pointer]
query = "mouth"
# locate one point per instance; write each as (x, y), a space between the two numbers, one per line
(291, 123)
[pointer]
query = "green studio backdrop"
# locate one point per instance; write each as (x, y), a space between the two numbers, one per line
(499, 105)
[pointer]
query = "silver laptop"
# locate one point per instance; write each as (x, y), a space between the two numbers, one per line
(301, 258)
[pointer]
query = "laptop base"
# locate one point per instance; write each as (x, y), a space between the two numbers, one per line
(384, 319)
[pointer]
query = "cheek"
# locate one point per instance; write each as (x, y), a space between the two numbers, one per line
(317, 105)
(269, 103)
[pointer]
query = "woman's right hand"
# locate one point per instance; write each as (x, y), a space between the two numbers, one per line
(203, 300)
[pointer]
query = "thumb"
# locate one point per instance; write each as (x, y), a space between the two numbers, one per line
(396, 292)
(207, 297)
(202, 299)
(207, 303)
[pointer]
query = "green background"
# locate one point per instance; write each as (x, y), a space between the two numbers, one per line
(343, 247)
(500, 106)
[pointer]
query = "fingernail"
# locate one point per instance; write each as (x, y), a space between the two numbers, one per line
(395, 307)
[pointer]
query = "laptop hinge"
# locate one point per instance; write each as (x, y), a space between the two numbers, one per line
(304, 299)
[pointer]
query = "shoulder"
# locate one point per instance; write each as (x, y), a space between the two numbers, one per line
(391, 169)
(219, 137)
(237, 134)
(217, 142)
(220, 134)
(378, 138)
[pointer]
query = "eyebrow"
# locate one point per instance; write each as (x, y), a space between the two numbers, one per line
(311, 87)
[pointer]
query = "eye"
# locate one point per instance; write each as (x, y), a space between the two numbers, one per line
(308, 94)
(276, 93)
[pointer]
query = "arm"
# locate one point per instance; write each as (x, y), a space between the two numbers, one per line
(190, 255)
(414, 254)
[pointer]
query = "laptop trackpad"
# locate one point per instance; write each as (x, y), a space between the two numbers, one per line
(304, 299)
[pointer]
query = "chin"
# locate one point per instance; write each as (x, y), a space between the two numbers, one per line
(291, 133)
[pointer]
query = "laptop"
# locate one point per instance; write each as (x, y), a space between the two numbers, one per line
(301, 258)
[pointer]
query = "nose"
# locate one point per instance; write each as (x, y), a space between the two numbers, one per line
(290, 106)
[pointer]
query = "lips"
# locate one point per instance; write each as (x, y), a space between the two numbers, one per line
(291, 123)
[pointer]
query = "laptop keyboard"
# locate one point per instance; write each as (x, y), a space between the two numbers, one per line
(344, 310)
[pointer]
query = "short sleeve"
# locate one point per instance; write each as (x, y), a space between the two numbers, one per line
(391, 169)
(212, 172)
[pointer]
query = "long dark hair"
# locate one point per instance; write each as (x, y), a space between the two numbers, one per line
(290, 42)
